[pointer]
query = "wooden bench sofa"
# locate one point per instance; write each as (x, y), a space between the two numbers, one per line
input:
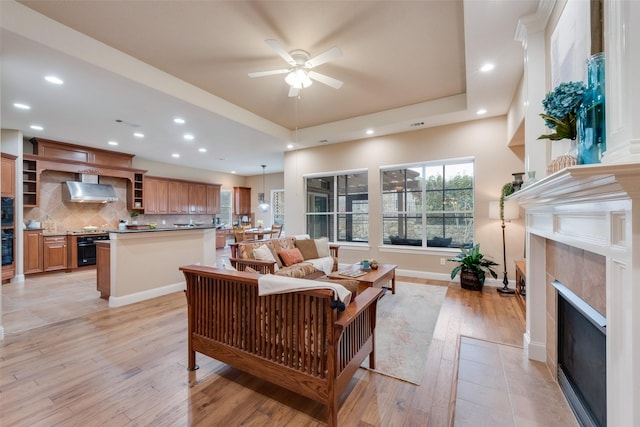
(296, 339)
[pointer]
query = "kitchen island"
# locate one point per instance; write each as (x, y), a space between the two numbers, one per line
(144, 264)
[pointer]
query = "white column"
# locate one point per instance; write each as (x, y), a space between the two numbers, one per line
(535, 335)
(531, 32)
(622, 62)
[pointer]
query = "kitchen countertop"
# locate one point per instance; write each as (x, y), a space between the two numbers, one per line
(199, 227)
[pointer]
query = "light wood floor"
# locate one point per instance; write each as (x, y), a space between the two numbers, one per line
(126, 366)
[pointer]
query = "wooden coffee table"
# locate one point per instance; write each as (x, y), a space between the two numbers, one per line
(372, 278)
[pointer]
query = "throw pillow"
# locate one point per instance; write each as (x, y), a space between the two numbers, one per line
(250, 270)
(307, 248)
(263, 253)
(274, 253)
(322, 246)
(291, 256)
(439, 242)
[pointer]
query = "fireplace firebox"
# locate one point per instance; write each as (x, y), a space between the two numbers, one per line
(582, 358)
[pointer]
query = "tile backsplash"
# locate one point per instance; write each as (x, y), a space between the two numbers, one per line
(69, 216)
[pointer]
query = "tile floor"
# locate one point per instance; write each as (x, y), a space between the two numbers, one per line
(498, 386)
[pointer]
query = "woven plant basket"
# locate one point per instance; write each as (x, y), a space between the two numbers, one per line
(560, 163)
(469, 280)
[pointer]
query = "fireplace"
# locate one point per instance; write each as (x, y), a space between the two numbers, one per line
(582, 359)
(583, 230)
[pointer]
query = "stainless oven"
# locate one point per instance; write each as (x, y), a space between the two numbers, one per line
(7, 246)
(7, 211)
(87, 249)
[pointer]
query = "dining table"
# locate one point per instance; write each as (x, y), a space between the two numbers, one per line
(257, 233)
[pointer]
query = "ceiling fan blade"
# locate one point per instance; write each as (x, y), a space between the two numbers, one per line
(327, 56)
(293, 92)
(329, 81)
(275, 45)
(267, 73)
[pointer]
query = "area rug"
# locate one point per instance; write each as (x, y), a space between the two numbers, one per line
(404, 328)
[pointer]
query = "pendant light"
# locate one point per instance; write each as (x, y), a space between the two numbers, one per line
(263, 204)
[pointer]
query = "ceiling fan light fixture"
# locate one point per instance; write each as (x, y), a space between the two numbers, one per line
(298, 79)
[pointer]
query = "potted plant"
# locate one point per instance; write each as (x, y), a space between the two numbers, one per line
(473, 267)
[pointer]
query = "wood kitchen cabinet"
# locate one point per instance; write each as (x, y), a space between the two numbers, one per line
(197, 199)
(173, 196)
(213, 199)
(103, 267)
(156, 199)
(242, 200)
(8, 168)
(30, 184)
(55, 253)
(178, 194)
(33, 251)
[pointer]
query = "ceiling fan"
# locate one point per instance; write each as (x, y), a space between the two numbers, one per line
(300, 73)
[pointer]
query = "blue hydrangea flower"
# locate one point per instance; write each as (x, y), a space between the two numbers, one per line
(560, 108)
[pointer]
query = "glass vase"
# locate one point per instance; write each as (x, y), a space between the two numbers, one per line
(591, 114)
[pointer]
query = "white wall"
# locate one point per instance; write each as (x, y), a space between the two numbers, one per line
(485, 140)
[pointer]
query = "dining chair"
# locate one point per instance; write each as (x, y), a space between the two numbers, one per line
(276, 230)
(238, 233)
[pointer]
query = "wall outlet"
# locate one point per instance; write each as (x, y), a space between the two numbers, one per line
(443, 261)
(164, 222)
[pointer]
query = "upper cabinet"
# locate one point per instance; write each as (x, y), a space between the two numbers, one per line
(8, 168)
(242, 200)
(197, 199)
(155, 195)
(62, 150)
(51, 155)
(178, 194)
(171, 196)
(30, 187)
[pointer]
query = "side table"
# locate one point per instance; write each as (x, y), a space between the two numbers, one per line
(521, 283)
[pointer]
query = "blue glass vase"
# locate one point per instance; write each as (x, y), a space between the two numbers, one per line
(591, 114)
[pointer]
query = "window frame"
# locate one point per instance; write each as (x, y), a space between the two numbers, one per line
(424, 214)
(336, 200)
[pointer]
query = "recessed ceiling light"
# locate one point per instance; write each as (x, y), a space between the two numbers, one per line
(487, 67)
(139, 135)
(289, 146)
(233, 172)
(113, 143)
(188, 136)
(202, 150)
(21, 106)
(36, 127)
(53, 79)
(369, 131)
(178, 120)
(175, 155)
(481, 111)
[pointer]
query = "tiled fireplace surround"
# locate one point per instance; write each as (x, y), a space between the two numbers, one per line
(583, 229)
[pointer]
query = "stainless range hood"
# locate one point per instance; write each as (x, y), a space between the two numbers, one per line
(88, 190)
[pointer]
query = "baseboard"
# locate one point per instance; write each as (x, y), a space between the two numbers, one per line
(145, 295)
(535, 350)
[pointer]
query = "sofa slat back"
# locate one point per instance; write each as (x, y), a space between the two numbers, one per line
(290, 329)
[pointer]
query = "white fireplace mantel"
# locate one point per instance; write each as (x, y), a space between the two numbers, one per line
(595, 208)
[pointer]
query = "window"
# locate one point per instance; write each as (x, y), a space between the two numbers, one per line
(225, 207)
(277, 206)
(338, 207)
(428, 205)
